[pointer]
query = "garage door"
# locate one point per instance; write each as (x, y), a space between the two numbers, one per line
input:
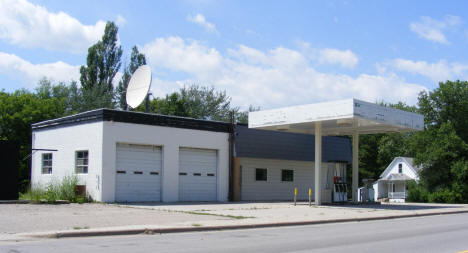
(138, 175)
(197, 174)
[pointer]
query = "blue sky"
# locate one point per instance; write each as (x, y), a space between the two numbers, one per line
(264, 53)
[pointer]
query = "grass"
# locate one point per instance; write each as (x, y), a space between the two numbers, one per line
(54, 191)
(78, 228)
(237, 217)
(196, 225)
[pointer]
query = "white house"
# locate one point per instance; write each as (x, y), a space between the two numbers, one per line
(122, 156)
(392, 182)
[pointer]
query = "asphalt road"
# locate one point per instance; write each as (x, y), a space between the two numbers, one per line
(444, 233)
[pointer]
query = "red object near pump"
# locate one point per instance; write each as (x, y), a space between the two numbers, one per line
(336, 179)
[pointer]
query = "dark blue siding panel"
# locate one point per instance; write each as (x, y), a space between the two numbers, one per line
(255, 143)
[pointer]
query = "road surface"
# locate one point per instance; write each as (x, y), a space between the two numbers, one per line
(443, 233)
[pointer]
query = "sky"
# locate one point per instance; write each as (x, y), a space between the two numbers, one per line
(263, 53)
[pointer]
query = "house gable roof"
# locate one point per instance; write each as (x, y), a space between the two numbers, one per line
(408, 160)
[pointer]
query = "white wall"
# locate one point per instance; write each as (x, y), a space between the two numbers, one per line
(406, 169)
(274, 188)
(67, 140)
(170, 139)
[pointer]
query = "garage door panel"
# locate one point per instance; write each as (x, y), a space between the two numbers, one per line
(140, 186)
(198, 177)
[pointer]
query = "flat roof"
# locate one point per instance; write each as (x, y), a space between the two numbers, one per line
(133, 117)
(341, 117)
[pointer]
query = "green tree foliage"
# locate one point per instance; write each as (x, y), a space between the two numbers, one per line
(442, 149)
(18, 110)
(376, 151)
(137, 59)
(103, 63)
(200, 102)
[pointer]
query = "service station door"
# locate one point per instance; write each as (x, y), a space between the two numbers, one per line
(138, 173)
(197, 174)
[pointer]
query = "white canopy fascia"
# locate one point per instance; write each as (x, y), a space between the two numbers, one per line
(338, 118)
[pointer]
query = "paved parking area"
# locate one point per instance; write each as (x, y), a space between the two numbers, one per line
(25, 218)
(20, 219)
(278, 212)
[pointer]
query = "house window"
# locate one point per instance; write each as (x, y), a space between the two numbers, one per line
(81, 162)
(260, 174)
(287, 175)
(400, 168)
(47, 163)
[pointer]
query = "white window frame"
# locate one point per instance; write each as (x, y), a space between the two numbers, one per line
(46, 169)
(84, 167)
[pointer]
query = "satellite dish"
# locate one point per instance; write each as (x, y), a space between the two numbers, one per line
(138, 86)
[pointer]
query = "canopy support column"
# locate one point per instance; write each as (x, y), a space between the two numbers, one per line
(355, 173)
(318, 163)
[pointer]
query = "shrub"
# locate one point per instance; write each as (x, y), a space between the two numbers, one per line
(416, 193)
(443, 196)
(55, 190)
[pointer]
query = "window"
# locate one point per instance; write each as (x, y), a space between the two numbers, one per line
(400, 168)
(81, 162)
(47, 163)
(287, 175)
(260, 174)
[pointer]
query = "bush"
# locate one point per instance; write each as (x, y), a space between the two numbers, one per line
(34, 194)
(55, 190)
(443, 196)
(416, 193)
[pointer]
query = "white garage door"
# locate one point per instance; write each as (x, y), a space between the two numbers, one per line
(138, 173)
(197, 174)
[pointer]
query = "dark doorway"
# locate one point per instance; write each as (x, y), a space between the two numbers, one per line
(9, 155)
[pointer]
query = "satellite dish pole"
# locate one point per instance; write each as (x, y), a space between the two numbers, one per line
(147, 101)
(138, 87)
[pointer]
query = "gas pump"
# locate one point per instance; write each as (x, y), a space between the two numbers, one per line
(340, 189)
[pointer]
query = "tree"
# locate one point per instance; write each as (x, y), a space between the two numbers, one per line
(205, 103)
(243, 117)
(137, 59)
(200, 102)
(18, 110)
(442, 148)
(103, 63)
(376, 151)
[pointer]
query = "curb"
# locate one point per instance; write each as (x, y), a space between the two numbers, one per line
(68, 234)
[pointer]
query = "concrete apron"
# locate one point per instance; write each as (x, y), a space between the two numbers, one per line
(143, 229)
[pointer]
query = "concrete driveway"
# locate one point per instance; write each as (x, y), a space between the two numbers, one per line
(102, 219)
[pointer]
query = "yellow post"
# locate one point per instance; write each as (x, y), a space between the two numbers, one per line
(295, 195)
(310, 197)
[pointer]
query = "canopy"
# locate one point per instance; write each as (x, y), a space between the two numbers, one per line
(338, 118)
(344, 117)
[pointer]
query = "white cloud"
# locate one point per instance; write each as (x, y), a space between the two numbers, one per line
(200, 20)
(186, 56)
(30, 74)
(120, 21)
(438, 71)
(33, 26)
(272, 78)
(431, 29)
(345, 58)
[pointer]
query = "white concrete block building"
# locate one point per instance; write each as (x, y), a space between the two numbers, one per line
(128, 156)
(122, 156)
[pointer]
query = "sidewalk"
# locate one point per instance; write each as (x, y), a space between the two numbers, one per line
(25, 221)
